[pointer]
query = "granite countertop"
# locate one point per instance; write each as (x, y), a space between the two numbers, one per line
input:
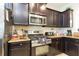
(27, 39)
(18, 40)
(74, 37)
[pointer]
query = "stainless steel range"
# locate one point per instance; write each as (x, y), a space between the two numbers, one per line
(38, 38)
(39, 43)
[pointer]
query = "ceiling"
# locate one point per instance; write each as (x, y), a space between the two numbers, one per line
(56, 6)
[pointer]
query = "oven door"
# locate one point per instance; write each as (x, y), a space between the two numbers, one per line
(40, 50)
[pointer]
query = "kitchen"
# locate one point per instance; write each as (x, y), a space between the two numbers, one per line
(41, 29)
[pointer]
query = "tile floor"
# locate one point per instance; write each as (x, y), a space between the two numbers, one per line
(62, 54)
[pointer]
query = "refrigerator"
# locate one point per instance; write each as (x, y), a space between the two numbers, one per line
(7, 29)
(1, 27)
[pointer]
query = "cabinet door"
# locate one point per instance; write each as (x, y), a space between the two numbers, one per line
(61, 45)
(61, 20)
(49, 15)
(55, 43)
(67, 18)
(37, 8)
(54, 48)
(53, 18)
(73, 50)
(19, 52)
(19, 48)
(20, 13)
(56, 18)
(33, 8)
(70, 47)
(41, 8)
(66, 45)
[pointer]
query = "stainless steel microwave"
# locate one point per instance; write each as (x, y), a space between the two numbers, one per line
(37, 20)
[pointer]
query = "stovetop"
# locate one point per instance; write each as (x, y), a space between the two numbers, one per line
(36, 36)
(39, 39)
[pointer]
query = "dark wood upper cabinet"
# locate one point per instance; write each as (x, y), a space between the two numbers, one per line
(42, 8)
(59, 19)
(52, 17)
(37, 8)
(68, 18)
(49, 17)
(56, 21)
(33, 8)
(20, 13)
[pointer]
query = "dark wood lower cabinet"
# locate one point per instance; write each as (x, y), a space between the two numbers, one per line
(19, 48)
(71, 47)
(55, 47)
(61, 45)
(58, 43)
(19, 52)
(71, 50)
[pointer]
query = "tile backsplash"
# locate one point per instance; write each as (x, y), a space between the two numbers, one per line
(43, 29)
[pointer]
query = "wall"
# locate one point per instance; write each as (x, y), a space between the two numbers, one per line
(1, 20)
(56, 6)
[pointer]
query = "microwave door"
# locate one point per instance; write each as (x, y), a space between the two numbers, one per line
(44, 21)
(37, 21)
(32, 20)
(40, 20)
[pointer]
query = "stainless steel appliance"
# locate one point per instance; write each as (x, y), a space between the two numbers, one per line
(39, 43)
(7, 29)
(1, 26)
(37, 19)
